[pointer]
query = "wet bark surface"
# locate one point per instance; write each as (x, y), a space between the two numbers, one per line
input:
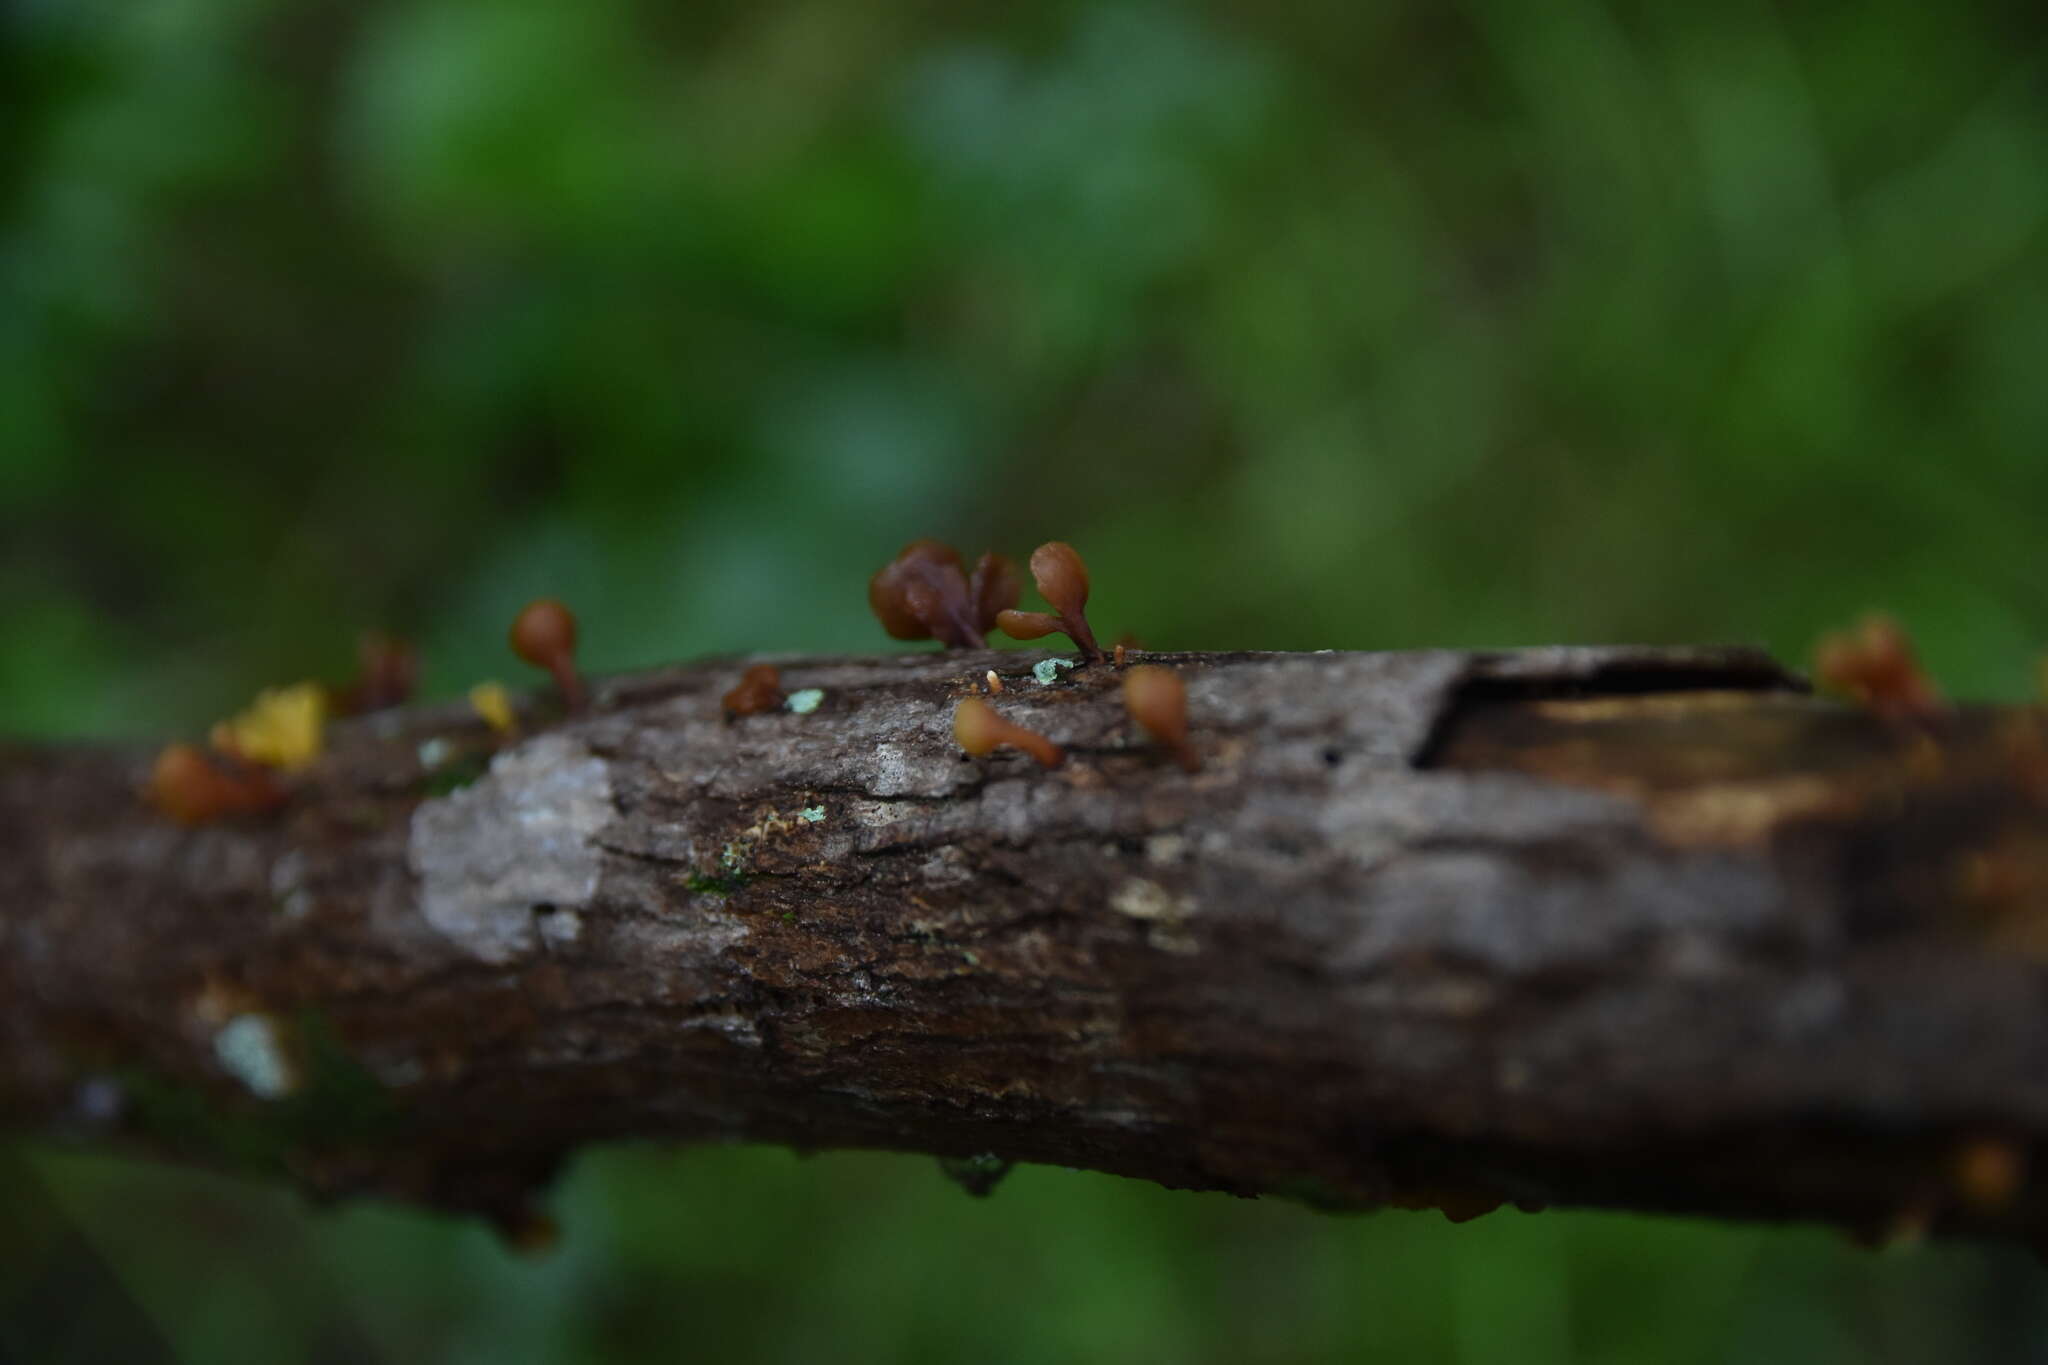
(1633, 928)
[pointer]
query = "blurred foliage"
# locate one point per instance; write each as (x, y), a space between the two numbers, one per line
(1313, 325)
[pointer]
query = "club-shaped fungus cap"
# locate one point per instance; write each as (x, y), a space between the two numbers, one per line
(759, 689)
(980, 731)
(1062, 578)
(1158, 701)
(192, 789)
(544, 635)
(926, 594)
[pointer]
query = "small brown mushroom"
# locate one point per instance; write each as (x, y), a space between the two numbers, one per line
(1158, 701)
(925, 594)
(760, 689)
(387, 668)
(1874, 665)
(980, 731)
(193, 789)
(1988, 1173)
(544, 635)
(1062, 578)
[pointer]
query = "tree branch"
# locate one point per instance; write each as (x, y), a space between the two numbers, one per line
(1643, 929)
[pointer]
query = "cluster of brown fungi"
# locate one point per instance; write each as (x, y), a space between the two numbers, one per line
(926, 593)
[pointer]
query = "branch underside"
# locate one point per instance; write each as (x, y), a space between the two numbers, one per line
(1623, 927)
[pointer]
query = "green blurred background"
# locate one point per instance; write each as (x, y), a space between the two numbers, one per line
(1468, 322)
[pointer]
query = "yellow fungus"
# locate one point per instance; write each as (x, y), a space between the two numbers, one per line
(282, 728)
(491, 701)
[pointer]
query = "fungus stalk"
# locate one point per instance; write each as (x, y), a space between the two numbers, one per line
(1062, 578)
(544, 635)
(980, 731)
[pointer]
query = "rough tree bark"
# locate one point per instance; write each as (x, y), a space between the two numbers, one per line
(1643, 929)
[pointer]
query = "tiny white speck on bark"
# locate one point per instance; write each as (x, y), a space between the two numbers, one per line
(1142, 899)
(490, 856)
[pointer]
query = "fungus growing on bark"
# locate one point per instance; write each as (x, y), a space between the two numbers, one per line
(491, 701)
(544, 635)
(995, 684)
(387, 668)
(1158, 701)
(1874, 665)
(980, 731)
(1988, 1173)
(1062, 579)
(195, 789)
(924, 593)
(283, 728)
(759, 689)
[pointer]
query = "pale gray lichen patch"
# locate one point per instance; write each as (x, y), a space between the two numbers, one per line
(806, 700)
(522, 837)
(811, 815)
(250, 1047)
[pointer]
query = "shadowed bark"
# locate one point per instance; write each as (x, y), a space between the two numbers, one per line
(1643, 929)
